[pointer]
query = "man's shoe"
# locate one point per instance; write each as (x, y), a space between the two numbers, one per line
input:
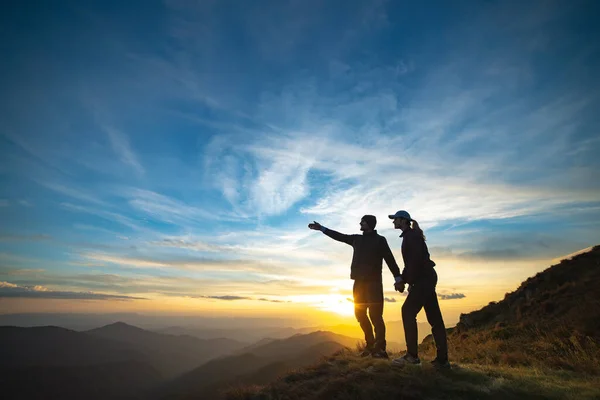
(440, 364)
(406, 359)
(380, 354)
(365, 353)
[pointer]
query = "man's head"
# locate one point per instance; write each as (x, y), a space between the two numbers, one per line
(368, 223)
(401, 220)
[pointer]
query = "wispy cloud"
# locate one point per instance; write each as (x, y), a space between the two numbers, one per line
(73, 192)
(120, 144)
(271, 300)
(451, 296)
(10, 290)
(227, 298)
(165, 208)
(4, 203)
(189, 263)
(106, 215)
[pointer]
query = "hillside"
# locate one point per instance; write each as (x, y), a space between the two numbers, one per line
(260, 364)
(345, 376)
(171, 355)
(551, 321)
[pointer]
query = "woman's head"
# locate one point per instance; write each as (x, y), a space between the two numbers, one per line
(402, 220)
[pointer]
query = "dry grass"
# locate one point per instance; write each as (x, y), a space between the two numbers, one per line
(346, 376)
(532, 346)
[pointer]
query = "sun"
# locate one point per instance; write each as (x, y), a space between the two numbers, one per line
(337, 303)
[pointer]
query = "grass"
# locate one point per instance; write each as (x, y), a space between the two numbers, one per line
(345, 376)
(554, 349)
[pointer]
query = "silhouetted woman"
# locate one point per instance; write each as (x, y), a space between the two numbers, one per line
(421, 277)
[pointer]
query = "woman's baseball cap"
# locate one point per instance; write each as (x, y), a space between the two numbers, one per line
(401, 214)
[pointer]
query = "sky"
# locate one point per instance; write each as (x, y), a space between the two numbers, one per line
(166, 157)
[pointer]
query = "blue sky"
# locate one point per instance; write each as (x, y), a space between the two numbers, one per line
(174, 150)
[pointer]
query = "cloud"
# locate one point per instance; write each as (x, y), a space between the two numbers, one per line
(4, 203)
(390, 299)
(120, 145)
(260, 178)
(451, 296)
(512, 246)
(228, 298)
(72, 192)
(183, 262)
(107, 215)
(167, 209)
(271, 300)
(20, 271)
(10, 290)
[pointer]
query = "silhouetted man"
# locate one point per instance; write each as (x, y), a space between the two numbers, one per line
(370, 249)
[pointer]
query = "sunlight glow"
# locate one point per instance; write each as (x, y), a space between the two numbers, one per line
(337, 303)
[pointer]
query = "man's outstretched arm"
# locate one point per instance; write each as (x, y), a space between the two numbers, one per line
(340, 237)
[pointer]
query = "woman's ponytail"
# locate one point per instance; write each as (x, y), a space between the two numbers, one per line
(417, 228)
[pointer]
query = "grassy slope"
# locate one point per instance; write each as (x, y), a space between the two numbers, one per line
(345, 376)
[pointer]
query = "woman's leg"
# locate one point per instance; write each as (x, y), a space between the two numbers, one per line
(438, 329)
(411, 307)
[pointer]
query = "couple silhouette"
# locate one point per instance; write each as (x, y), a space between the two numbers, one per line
(370, 249)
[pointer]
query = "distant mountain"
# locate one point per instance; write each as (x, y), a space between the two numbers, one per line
(53, 346)
(260, 364)
(114, 380)
(108, 362)
(171, 355)
(57, 363)
(395, 332)
(248, 334)
(551, 320)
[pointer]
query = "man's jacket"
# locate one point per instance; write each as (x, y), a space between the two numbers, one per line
(370, 249)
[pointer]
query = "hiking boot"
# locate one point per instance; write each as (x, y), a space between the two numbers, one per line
(406, 359)
(365, 353)
(380, 354)
(440, 363)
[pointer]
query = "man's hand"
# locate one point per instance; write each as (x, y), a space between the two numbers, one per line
(315, 226)
(399, 286)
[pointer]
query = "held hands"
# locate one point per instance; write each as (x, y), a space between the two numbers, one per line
(399, 286)
(315, 226)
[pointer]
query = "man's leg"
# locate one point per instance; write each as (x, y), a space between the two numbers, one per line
(360, 312)
(411, 307)
(438, 329)
(375, 296)
(376, 315)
